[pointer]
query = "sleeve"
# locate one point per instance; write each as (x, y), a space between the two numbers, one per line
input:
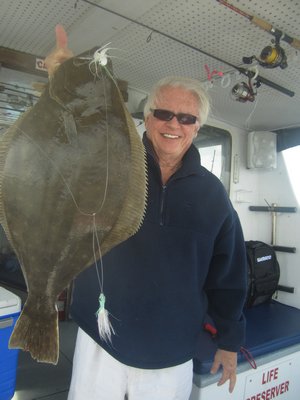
(226, 285)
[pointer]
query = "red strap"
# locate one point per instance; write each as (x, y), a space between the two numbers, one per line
(210, 328)
(249, 357)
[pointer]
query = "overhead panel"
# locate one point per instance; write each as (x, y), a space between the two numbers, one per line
(172, 37)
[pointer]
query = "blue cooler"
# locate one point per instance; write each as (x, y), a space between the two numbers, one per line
(10, 308)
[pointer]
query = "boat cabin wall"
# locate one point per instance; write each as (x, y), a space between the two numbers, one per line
(263, 187)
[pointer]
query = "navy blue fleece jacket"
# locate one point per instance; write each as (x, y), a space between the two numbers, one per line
(187, 259)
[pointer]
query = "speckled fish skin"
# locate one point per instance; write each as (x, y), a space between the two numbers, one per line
(74, 154)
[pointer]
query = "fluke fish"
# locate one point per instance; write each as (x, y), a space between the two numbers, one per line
(72, 186)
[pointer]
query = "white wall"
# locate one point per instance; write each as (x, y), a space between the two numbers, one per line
(254, 187)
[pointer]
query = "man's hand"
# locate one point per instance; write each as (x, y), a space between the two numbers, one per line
(228, 360)
(61, 53)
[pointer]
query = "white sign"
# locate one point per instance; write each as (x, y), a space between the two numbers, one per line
(272, 383)
(40, 64)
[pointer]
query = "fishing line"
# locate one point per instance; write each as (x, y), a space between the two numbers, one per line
(95, 237)
(247, 122)
(104, 326)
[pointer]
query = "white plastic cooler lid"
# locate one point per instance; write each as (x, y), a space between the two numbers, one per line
(10, 303)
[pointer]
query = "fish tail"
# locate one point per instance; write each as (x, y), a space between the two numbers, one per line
(36, 331)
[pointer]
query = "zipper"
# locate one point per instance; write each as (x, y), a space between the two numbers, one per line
(162, 205)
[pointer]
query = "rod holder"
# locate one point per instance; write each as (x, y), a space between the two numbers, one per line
(273, 209)
(287, 289)
(284, 249)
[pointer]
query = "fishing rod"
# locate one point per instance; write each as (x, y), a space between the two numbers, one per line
(250, 74)
(264, 25)
(243, 71)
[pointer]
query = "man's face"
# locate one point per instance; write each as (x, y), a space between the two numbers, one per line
(171, 139)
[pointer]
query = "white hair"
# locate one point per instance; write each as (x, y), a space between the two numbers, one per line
(189, 84)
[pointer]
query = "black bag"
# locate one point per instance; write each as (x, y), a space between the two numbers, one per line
(263, 272)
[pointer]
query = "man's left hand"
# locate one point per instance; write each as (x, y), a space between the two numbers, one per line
(228, 361)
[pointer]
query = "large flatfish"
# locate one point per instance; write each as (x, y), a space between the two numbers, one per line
(72, 172)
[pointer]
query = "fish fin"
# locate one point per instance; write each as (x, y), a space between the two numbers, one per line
(36, 331)
(134, 205)
(5, 143)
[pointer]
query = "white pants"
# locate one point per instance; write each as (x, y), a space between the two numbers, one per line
(98, 376)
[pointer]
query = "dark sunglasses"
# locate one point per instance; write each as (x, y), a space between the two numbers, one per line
(166, 115)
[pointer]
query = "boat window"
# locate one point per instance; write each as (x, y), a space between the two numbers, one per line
(291, 158)
(214, 145)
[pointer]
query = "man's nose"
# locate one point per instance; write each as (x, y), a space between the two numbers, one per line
(173, 122)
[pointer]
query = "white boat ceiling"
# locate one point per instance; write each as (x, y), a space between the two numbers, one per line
(151, 39)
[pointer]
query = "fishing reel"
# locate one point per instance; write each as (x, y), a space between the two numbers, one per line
(243, 91)
(270, 57)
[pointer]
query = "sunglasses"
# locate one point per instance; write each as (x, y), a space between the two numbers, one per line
(166, 115)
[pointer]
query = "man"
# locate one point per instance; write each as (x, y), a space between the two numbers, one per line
(188, 258)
